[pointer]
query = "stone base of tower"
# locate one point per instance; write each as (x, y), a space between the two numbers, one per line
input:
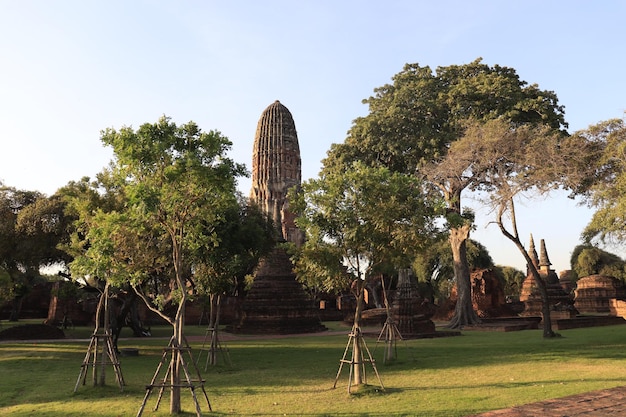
(276, 303)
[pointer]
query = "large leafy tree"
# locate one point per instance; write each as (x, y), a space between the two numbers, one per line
(413, 122)
(603, 180)
(515, 160)
(13, 260)
(31, 227)
(588, 260)
(175, 180)
(87, 201)
(357, 223)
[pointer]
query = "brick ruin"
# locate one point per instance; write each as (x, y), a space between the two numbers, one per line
(599, 294)
(561, 301)
(276, 302)
(276, 168)
(411, 312)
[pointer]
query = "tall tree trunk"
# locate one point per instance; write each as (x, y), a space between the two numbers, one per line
(545, 303)
(464, 313)
(175, 365)
(357, 376)
(107, 331)
(179, 326)
(541, 284)
(460, 227)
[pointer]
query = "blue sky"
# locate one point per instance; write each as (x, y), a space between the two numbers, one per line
(72, 68)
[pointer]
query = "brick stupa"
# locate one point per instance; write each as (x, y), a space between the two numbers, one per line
(561, 303)
(276, 303)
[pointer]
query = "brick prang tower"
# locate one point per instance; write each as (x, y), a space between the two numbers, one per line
(276, 168)
(276, 302)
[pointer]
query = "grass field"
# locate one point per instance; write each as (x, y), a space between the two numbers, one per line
(293, 376)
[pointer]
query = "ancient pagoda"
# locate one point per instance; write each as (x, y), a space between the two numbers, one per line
(276, 302)
(276, 167)
(561, 303)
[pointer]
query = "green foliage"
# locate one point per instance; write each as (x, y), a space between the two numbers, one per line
(6, 287)
(157, 205)
(512, 279)
(174, 183)
(45, 226)
(67, 290)
(602, 179)
(15, 241)
(31, 227)
(243, 235)
(413, 121)
(319, 267)
(358, 221)
(435, 264)
(430, 124)
(590, 260)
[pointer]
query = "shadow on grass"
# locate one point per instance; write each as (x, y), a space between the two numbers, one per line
(307, 366)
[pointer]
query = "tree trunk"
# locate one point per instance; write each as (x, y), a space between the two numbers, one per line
(175, 368)
(357, 376)
(214, 322)
(390, 335)
(107, 331)
(541, 284)
(16, 308)
(545, 301)
(179, 324)
(464, 313)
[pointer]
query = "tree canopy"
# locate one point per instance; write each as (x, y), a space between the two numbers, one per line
(358, 222)
(590, 260)
(413, 122)
(31, 227)
(174, 182)
(601, 179)
(244, 235)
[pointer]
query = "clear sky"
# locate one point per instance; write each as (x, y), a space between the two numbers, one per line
(69, 69)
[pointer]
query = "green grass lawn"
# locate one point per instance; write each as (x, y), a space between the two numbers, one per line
(293, 376)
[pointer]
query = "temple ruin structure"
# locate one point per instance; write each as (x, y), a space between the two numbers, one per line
(411, 312)
(561, 302)
(597, 294)
(276, 168)
(276, 302)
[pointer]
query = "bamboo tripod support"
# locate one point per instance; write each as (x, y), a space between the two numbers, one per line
(211, 348)
(356, 348)
(100, 345)
(175, 351)
(390, 335)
